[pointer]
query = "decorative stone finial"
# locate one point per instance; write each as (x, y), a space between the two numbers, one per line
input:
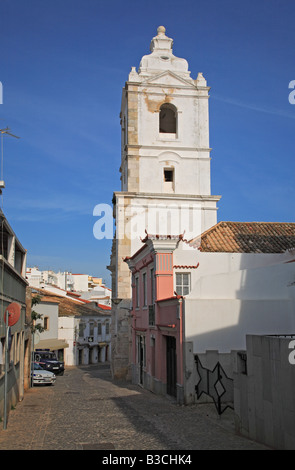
(161, 42)
(201, 81)
(161, 57)
(161, 30)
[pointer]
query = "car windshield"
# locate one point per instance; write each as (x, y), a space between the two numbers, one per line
(37, 366)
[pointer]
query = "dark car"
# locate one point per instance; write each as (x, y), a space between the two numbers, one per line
(49, 361)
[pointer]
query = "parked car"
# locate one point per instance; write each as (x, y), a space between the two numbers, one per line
(41, 376)
(49, 361)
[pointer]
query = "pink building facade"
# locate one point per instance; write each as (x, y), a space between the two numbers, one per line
(157, 333)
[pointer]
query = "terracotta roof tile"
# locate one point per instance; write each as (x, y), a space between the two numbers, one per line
(104, 307)
(69, 306)
(247, 237)
(181, 266)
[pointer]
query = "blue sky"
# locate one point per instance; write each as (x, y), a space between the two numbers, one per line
(63, 66)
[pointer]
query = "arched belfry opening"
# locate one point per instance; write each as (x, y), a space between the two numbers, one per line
(168, 119)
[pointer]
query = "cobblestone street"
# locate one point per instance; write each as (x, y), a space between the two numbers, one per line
(86, 410)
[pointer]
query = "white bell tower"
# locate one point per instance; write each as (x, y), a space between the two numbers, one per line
(165, 157)
(165, 135)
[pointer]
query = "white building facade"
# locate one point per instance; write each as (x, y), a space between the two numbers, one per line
(102, 295)
(78, 333)
(87, 287)
(49, 338)
(88, 338)
(62, 280)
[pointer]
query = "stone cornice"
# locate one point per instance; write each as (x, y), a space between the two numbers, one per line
(196, 149)
(191, 197)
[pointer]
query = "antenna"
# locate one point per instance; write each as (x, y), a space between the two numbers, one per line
(4, 131)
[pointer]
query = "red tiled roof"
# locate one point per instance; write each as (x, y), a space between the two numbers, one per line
(49, 300)
(73, 294)
(69, 306)
(180, 266)
(174, 297)
(104, 307)
(150, 236)
(99, 298)
(247, 237)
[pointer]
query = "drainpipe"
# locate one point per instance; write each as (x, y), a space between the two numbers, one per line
(185, 376)
(7, 330)
(181, 339)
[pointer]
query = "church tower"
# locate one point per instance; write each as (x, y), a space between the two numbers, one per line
(165, 170)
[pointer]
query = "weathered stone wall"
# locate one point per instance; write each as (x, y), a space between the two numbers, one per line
(264, 397)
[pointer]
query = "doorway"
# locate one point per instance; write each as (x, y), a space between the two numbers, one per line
(80, 357)
(141, 358)
(171, 365)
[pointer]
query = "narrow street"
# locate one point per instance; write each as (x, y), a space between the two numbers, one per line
(86, 410)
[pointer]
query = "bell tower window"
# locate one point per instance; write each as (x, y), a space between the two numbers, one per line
(168, 119)
(168, 180)
(168, 175)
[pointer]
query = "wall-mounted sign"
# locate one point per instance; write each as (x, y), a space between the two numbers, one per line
(13, 310)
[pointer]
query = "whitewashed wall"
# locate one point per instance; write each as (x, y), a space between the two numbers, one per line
(223, 308)
(50, 310)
